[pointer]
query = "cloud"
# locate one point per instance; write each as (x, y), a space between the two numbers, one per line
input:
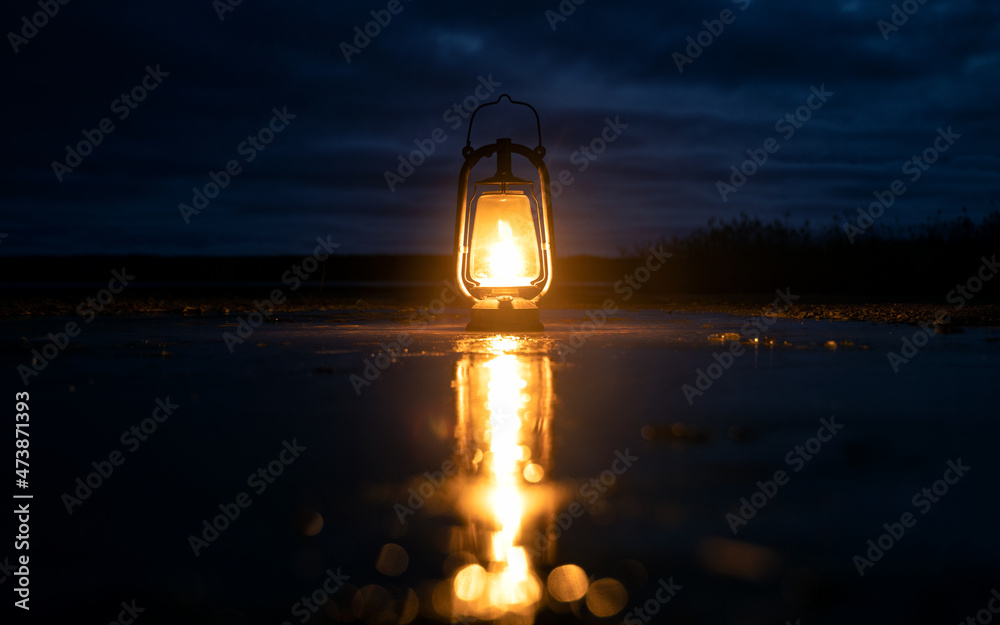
(325, 173)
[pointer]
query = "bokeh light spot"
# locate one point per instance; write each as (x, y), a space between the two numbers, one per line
(606, 597)
(534, 473)
(567, 583)
(392, 560)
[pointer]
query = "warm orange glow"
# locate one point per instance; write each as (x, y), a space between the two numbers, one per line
(506, 263)
(606, 597)
(504, 403)
(470, 582)
(504, 246)
(568, 583)
(498, 396)
(534, 473)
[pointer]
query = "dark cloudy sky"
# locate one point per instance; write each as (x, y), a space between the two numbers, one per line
(323, 174)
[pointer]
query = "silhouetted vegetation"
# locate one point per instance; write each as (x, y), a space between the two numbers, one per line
(750, 255)
(743, 255)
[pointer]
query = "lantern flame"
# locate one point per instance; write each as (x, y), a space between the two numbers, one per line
(506, 261)
(504, 249)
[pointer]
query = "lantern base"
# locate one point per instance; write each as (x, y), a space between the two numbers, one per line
(504, 314)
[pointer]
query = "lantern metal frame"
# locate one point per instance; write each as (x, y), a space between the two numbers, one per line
(504, 308)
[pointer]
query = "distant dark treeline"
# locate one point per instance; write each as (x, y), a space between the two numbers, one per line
(744, 255)
(749, 255)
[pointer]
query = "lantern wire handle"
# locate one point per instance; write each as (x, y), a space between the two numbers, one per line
(467, 150)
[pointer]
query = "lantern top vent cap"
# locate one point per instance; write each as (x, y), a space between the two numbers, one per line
(504, 175)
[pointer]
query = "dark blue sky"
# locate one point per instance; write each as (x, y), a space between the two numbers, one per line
(215, 82)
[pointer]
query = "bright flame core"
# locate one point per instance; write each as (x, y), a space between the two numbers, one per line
(504, 250)
(505, 262)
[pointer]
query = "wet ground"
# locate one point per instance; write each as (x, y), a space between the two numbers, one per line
(688, 473)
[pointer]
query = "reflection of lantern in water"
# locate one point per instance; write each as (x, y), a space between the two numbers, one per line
(504, 403)
(503, 238)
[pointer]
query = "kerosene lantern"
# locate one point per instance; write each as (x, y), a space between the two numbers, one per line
(503, 236)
